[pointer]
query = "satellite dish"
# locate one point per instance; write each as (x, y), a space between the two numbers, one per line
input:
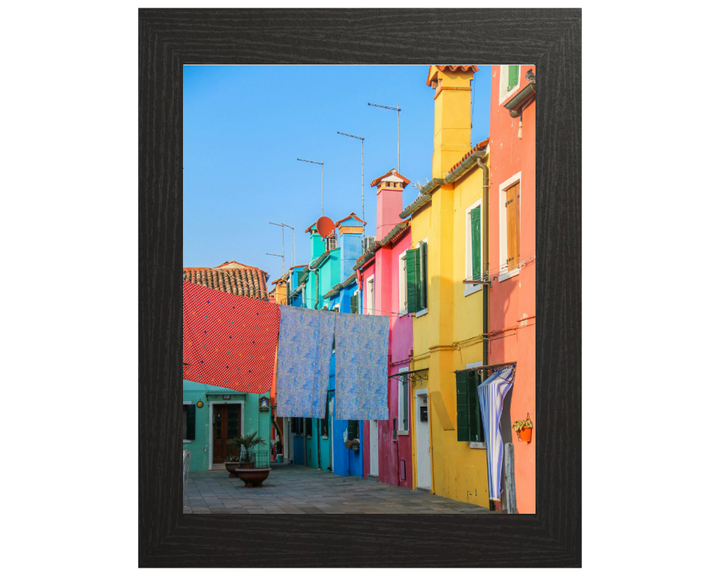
(325, 226)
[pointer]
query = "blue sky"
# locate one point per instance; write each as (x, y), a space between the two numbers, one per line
(245, 126)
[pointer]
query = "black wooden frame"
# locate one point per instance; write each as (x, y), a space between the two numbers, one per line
(548, 38)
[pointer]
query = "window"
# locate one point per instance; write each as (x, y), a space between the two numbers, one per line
(403, 293)
(308, 427)
(294, 426)
(509, 227)
(188, 421)
(509, 81)
(469, 423)
(336, 308)
(416, 263)
(353, 429)
(473, 247)
(370, 296)
(403, 401)
(354, 303)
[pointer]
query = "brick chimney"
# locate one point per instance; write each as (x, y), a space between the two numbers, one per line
(452, 115)
(390, 187)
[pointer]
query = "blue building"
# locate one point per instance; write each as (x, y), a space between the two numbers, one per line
(328, 283)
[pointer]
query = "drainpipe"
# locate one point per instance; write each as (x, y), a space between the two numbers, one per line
(482, 163)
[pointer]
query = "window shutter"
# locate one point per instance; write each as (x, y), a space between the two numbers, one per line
(411, 265)
(513, 230)
(354, 304)
(353, 429)
(513, 75)
(191, 422)
(476, 434)
(476, 252)
(461, 381)
(423, 285)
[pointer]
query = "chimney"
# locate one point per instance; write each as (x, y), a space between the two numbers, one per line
(317, 242)
(389, 201)
(452, 115)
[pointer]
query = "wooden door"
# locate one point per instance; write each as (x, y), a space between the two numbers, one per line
(226, 426)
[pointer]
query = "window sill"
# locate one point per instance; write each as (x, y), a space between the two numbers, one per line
(403, 313)
(324, 437)
(403, 432)
(422, 312)
(478, 445)
(507, 275)
(472, 288)
(187, 441)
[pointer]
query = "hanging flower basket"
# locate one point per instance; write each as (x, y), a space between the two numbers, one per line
(524, 429)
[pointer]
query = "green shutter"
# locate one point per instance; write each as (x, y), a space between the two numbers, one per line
(423, 286)
(474, 408)
(354, 304)
(476, 252)
(411, 265)
(353, 429)
(461, 381)
(513, 75)
(191, 422)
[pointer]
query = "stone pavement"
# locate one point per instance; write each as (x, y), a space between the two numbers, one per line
(292, 489)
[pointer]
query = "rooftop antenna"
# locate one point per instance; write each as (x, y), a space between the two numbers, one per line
(283, 260)
(283, 240)
(362, 175)
(322, 184)
(398, 111)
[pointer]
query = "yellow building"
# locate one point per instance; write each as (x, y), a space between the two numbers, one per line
(449, 455)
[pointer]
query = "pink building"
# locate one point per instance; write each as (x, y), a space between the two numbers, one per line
(382, 280)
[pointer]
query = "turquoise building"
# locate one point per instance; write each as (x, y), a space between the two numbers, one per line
(212, 415)
(328, 283)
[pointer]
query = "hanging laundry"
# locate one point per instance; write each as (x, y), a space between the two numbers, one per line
(228, 340)
(304, 351)
(491, 394)
(361, 366)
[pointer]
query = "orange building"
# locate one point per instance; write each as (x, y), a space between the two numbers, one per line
(511, 306)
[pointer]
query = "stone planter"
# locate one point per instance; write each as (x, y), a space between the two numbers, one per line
(230, 467)
(253, 477)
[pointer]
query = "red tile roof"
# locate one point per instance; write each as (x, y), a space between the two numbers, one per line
(445, 68)
(231, 277)
(389, 173)
(352, 215)
(479, 146)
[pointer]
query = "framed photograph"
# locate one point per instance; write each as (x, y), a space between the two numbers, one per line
(547, 531)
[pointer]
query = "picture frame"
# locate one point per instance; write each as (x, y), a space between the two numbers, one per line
(548, 38)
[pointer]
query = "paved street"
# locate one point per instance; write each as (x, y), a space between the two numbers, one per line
(300, 490)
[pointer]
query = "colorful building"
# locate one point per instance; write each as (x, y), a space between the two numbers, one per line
(449, 314)
(382, 272)
(512, 258)
(327, 283)
(212, 415)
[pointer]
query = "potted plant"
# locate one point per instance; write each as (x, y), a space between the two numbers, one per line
(524, 429)
(246, 444)
(353, 444)
(278, 451)
(231, 464)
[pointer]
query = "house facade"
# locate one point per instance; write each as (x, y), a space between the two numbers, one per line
(327, 283)
(382, 274)
(212, 415)
(448, 228)
(511, 331)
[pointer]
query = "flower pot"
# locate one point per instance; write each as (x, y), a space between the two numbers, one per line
(230, 467)
(254, 477)
(279, 459)
(246, 465)
(525, 434)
